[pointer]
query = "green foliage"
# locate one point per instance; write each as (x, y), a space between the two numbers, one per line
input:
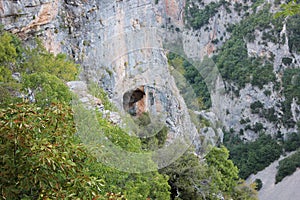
(118, 136)
(225, 172)
(38, 60)
(235, 65)
(8, 51)
(156, 141)
(134, 186)
(256, 3)
(292, 142)
(256, 107)
(198, 83)
(46, 88)
(287, 60)
(259, 184)
(288, 166)
(238, 7)
(293, 33)
(195, 79)
(290, 9)
(18, 58)
(291, 82)
(9, 92)
(5, 75)
(143, 120)
(192, 179)
(252, 157)
(233, 61)
(257, 127)
(261, 20)
(262, 74)
(40, 158)
(269, 114)
(58, 166)
(243, 191)
(150, 185)
(98, 92)
(40, 72)
(9, 58)
(188, 178)
(197, 18)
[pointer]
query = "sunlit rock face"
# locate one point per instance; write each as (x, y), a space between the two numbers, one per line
(119, 45)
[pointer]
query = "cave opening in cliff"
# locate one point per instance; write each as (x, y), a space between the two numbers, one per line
(134, 101)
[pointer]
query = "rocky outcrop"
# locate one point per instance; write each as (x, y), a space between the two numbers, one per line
(174, 10)
(90, 102)
(28, 16)
(46, 14)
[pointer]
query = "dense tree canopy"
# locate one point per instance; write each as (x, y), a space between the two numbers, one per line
(226, 174)
(251, 157)
(289, 9)
(40, 157)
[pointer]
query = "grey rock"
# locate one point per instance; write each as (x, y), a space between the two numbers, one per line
(17, 76)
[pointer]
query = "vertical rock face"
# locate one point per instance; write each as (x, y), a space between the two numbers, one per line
(119, 45)
(28, 16)
(210, 36)
(33, 18)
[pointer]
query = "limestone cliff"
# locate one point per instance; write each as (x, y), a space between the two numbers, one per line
(120, 46)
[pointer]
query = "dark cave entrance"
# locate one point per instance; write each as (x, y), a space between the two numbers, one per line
(134, 101)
